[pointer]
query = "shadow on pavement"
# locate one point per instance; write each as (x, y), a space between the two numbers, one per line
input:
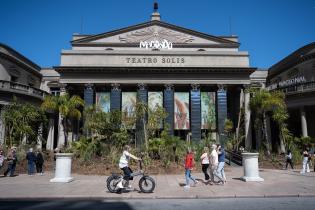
(63, 204)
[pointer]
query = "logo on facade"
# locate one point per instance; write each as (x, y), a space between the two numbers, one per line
(164, 44)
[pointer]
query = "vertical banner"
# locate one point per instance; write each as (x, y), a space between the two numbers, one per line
(208, 111)
(103, 101)
(155, 100)
(128, 108)
(181, 111)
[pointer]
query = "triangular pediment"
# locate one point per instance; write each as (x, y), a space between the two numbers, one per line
(152, 31)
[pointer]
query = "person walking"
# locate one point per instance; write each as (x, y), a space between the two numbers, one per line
(205, 163)
(39, 162)
(306, 167)
(288, 159)
(189, 165)
(12, 160)
(221, 159)
(214, 162)
(31, 159)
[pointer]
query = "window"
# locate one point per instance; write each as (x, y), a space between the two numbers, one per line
(14, 79)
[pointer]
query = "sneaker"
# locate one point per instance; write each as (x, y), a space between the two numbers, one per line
(120, 185)
(195, 183)
(186, 187)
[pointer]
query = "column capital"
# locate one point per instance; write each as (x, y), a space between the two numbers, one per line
(63, 88)
(115, 86)
(88, 86)
(169, 86)
(222, 87)
(195, 86)
(246, 88)
(141, 86)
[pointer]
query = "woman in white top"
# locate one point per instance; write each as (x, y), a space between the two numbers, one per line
(205, 162)
(124, 165)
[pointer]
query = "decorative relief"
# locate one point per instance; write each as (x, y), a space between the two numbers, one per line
(141, 86)
(155, 33)
(221, 87)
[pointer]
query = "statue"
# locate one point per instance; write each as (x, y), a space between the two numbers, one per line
(155, 7)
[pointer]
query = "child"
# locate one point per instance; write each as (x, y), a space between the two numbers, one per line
(189, 164)
(289, 159)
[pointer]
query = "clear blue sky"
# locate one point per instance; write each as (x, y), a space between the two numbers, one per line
(268, 29)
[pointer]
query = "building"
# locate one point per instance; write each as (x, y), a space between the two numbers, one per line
(295, 75)
(198, 78)
(19, 78)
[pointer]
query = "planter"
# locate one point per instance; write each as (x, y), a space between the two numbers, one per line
(251, 171)
(63, 168)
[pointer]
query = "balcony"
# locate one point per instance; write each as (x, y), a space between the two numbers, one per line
(21, 89)
(299, 88)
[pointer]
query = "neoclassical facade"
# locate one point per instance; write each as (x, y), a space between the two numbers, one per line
(295, 76)
(198, 78)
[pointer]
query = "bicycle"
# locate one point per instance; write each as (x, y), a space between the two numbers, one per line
(146, 183)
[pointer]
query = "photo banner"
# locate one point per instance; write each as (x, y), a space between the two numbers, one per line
(181, 111)
(208, 110)
(155, 100)
(128, 108)
(103, 101)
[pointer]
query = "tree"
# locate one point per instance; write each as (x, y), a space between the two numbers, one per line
(22, 120)
(68, 108)
(263, 104)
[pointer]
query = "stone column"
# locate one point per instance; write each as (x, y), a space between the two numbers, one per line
(248, 128)
(303, 122)
(115, 97)
(142, 96)
(2, 126)
(51, 131)
(222, 112)
(195, 116)
(61, 131)
(88, 95)
(169, 106)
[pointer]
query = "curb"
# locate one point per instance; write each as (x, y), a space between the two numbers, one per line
(152, 197)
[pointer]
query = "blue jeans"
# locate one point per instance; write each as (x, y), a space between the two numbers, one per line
(11, 169)
(188, 176)
(31, 168)
(220, 170)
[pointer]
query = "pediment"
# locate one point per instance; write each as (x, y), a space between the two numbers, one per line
(154, 31)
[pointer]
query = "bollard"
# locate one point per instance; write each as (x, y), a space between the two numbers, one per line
(63, 168)
(251, 171)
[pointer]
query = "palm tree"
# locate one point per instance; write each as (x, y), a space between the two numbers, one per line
(263, 104)
(68, 108)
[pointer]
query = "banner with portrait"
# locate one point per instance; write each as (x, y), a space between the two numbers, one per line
(208, 110)
(103, 101)
(181, 111)
(128, 108)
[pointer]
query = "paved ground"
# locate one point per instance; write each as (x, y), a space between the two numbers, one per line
(277, 183)
(283, 203)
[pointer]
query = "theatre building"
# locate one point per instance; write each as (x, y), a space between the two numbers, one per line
(295, 76)
(198, 78)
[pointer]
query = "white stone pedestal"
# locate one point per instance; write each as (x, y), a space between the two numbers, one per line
(250, 164)
(63, 168)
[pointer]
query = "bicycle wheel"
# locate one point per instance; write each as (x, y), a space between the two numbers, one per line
(146, 184)
(112, 182)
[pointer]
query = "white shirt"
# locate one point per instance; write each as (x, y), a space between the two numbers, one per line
(214, 159)
(124, 159)
(204, 158)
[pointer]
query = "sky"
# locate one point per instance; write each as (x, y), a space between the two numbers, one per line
(268, 29)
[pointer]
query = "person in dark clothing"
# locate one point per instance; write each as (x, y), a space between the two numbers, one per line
(31, 159)
(12, 159)
(39, 162)
(289, 159)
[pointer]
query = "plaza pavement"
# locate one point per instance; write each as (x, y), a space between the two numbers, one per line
(278, 183)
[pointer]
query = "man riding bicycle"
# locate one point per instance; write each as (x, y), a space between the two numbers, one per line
(123, 165)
